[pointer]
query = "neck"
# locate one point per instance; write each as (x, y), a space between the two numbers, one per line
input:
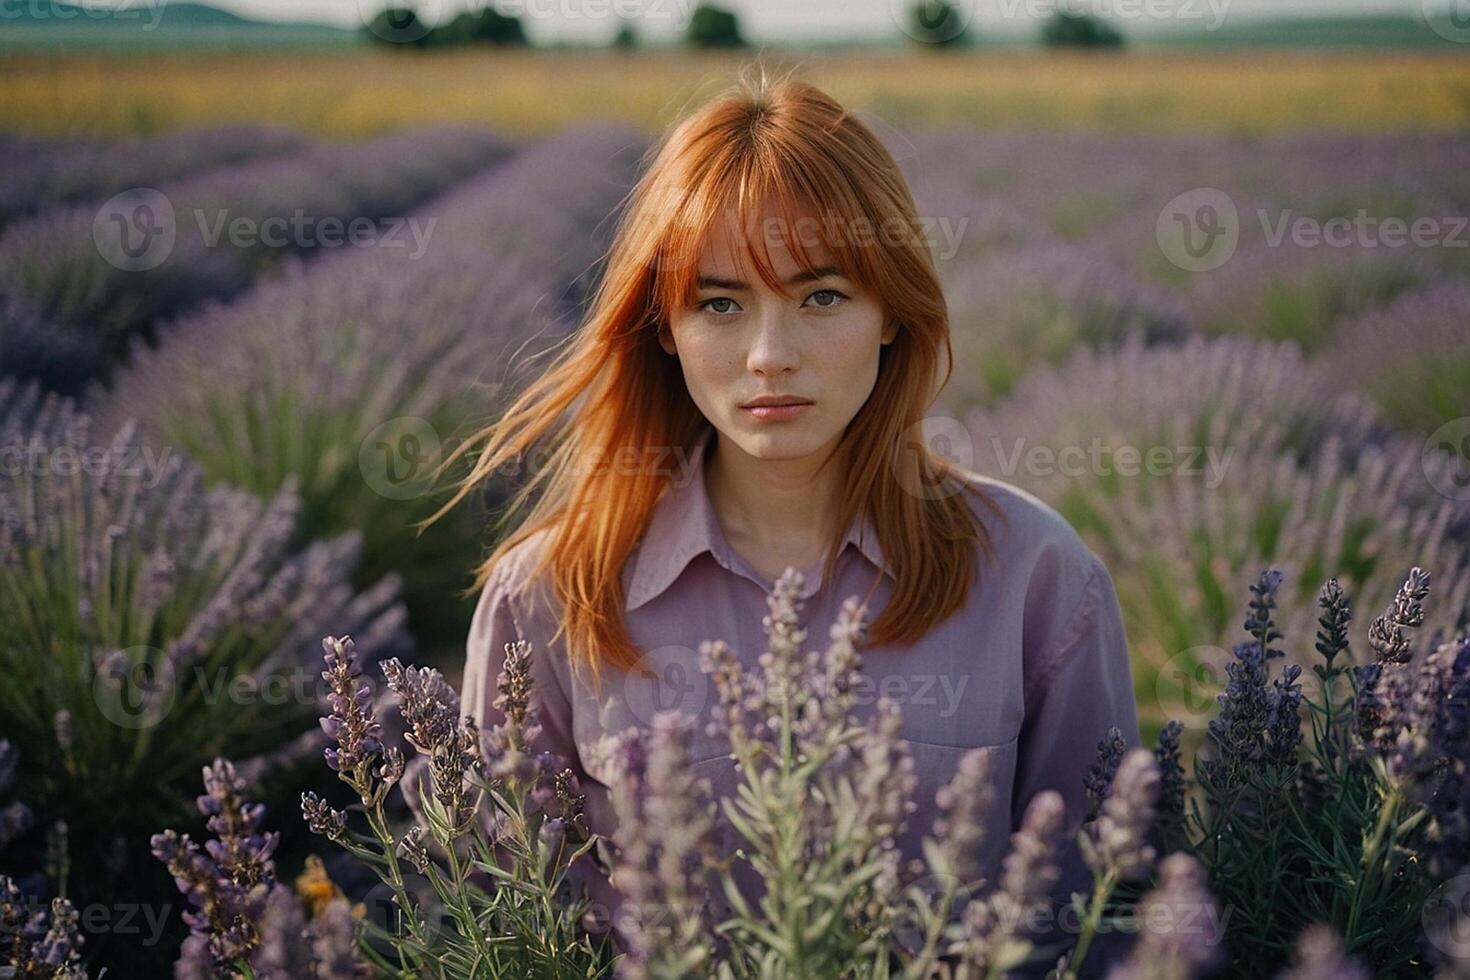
(783, 504)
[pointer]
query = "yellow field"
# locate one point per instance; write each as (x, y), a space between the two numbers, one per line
(361, 92)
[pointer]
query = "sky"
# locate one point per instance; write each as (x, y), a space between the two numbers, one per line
(775, 20)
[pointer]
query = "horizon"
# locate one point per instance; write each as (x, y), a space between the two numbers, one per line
(595, 21)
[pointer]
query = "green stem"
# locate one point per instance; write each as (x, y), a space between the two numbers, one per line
(1369, 863)
(1100, 892)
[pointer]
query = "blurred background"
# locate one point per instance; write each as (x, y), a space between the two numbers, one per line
(264, 262)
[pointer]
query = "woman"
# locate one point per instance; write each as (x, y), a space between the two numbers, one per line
(743, 397)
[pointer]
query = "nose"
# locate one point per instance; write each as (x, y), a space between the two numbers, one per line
(774, 348)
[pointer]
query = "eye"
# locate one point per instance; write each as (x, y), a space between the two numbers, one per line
(836, 295)
(707, 305)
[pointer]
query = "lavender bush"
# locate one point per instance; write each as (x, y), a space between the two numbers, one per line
(1411, 357)
(1357, 825)
(1280, 855)
(54, 260)
(151, 623)
(245, 923)
(823, 799)
(469, 899)
(1258, 463)
(46, 173)
(351, 373)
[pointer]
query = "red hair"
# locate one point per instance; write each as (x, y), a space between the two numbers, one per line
(614, 394)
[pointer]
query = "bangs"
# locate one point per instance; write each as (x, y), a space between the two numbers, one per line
(769, 203)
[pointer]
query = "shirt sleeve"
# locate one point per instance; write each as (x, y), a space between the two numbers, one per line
(1085, 687)
(498, 620)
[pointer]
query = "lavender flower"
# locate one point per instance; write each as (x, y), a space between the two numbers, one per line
(240, 912)
(1258, 724)
(228, 882)
(994, 926)
(1319, 955)
(321, 818)
(1172, 784)
(1100, 776)
(508, 744)
(964, 804)
(1117, 841)
(351, 724)
(1180, 938)
(1386, 635)
(38, 943)
(666, 843)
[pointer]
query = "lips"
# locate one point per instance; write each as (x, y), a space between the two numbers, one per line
(776, 401)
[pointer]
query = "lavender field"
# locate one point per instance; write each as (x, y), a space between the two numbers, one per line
(230, 357)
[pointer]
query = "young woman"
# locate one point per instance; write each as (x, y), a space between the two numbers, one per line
(743, 397)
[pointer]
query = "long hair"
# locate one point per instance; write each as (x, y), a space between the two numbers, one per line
(613, 394)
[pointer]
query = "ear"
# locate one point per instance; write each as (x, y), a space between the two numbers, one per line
(666, 339)
(890, 331)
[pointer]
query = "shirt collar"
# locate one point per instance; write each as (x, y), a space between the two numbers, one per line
(684, 526)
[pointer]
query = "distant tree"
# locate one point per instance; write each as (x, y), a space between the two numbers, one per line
(713, 27)
(938, 23)
(626, 38)
(1077, 29)
(483, 26)
(397, 25)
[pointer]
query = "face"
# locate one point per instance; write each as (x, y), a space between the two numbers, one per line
(738, 341)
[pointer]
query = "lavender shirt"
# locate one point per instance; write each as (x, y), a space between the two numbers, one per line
(1033, 668)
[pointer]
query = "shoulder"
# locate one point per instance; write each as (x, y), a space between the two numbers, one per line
(1025, 531)
(1039, 565)
(513, 582)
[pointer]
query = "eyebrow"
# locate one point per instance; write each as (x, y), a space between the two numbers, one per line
(714, 282)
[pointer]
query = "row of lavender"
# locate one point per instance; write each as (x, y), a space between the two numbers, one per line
(78, 280)
(46, 173)
(170, 555)
(1048, 241)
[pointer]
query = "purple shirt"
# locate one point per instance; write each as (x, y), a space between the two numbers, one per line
(1034, 667)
